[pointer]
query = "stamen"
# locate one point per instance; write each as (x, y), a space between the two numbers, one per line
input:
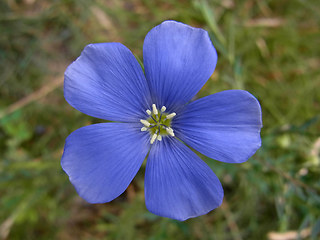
(170, 131)
(158, 123)
(154, 109)
(171, 115)
(143, 129)
(145, 122)
(154, 136)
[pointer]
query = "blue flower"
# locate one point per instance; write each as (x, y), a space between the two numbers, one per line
(153, 117)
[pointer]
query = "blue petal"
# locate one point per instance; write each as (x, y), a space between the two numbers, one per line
(224, 126)
(102, 159)
(178, 60)
(178, 184)
(107, 82)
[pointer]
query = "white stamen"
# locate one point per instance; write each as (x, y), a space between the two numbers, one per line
(170, 131)
(154, 136)
(143, 129)
(154, 109)
(171, 115)
(145, 122)
(158, 122)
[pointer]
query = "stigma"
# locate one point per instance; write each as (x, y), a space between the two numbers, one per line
(158, 123)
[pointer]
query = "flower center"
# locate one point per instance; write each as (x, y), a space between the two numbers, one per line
(158, 123)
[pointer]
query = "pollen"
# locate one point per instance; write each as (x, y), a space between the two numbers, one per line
(154, 109)
(171, 115)
(153, 138)
(158, 123)
(170, 131)
(145, 122)
(143, 129)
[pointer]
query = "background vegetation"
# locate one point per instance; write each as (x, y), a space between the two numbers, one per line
(268, 47)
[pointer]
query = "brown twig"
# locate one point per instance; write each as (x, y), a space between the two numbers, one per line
(43, 91)
(290, 235)
(291, 179)
(265, 22)
(235, 232)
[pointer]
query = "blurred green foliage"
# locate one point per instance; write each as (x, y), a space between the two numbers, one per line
(268, 47)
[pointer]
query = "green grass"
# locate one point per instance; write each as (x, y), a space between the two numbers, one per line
(268, 47)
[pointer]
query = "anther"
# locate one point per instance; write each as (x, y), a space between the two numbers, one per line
(143, 129)
(145, 122)
(154, 136)
(148, 112)
(154, 109)
(159, 138)
(163, 109)
(171, 115)
(170, 131)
